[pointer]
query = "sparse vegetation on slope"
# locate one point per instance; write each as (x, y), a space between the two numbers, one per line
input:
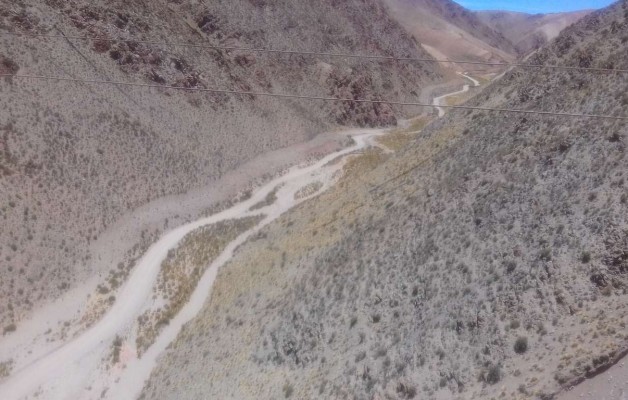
(181, 271)
(308, 190)
(5, 368)
(401, 137)
(270, 199)
(464, 277)
(74, 158)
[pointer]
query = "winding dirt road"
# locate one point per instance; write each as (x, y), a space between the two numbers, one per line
(438, 101)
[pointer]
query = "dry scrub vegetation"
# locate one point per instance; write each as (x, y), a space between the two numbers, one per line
(181, 271)
(308, 190)
(494, 267)
(5, 368)
(399, 138)
(270, 199)
(74, 158)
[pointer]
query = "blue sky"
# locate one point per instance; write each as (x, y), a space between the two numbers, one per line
(534, 6)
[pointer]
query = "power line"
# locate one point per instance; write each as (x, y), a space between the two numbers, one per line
(322, 54)
(303, 97)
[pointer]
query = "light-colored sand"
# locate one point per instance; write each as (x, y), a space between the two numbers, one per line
(439, 100)
(31, 341)
(610, 385)
(43, 364)
(75, 370)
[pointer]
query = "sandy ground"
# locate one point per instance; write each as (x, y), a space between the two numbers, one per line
(75, 370)
(37, 357)
(439, 100)
(34, 339)
(610, 385)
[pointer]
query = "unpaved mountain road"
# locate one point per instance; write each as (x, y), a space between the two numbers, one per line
(438, 101)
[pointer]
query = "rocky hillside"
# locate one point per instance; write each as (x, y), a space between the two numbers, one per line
(487, 259)
(465, 20)
(528, 32)
(75, 157)
(448, 30)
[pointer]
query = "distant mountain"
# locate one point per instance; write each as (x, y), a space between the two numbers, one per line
(529, 31)
(448, 30)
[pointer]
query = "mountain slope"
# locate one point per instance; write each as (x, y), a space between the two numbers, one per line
(526, 31)
(448, 30)
(76, 157)
(485, 260)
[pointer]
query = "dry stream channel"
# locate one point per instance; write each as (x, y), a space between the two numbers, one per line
(103, 361)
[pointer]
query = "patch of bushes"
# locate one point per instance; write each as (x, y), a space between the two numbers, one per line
(288, 389)
(585, 257)
(9, 328)
(492, 375)
(8, 66)
(117, 346)
(406, 391)
(5, 368)
(521, 345)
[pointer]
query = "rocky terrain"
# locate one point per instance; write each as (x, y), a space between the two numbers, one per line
(486, 258)
(449, 31)
(528, 32)
(75, 157)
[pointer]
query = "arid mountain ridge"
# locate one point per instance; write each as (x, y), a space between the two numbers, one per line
(467, 257)
(75, 157)
(493, 266)
(528, 32)
(449, 31)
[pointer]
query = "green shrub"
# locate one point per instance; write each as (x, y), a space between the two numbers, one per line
(493, 375)
(586, 257)
(288, 389)
(406, 391)
(521, 345)
(9, 328)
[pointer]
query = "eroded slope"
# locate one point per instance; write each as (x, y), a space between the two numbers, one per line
(493, 265)
(449, 31)
(527, 31)
(76, 157)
